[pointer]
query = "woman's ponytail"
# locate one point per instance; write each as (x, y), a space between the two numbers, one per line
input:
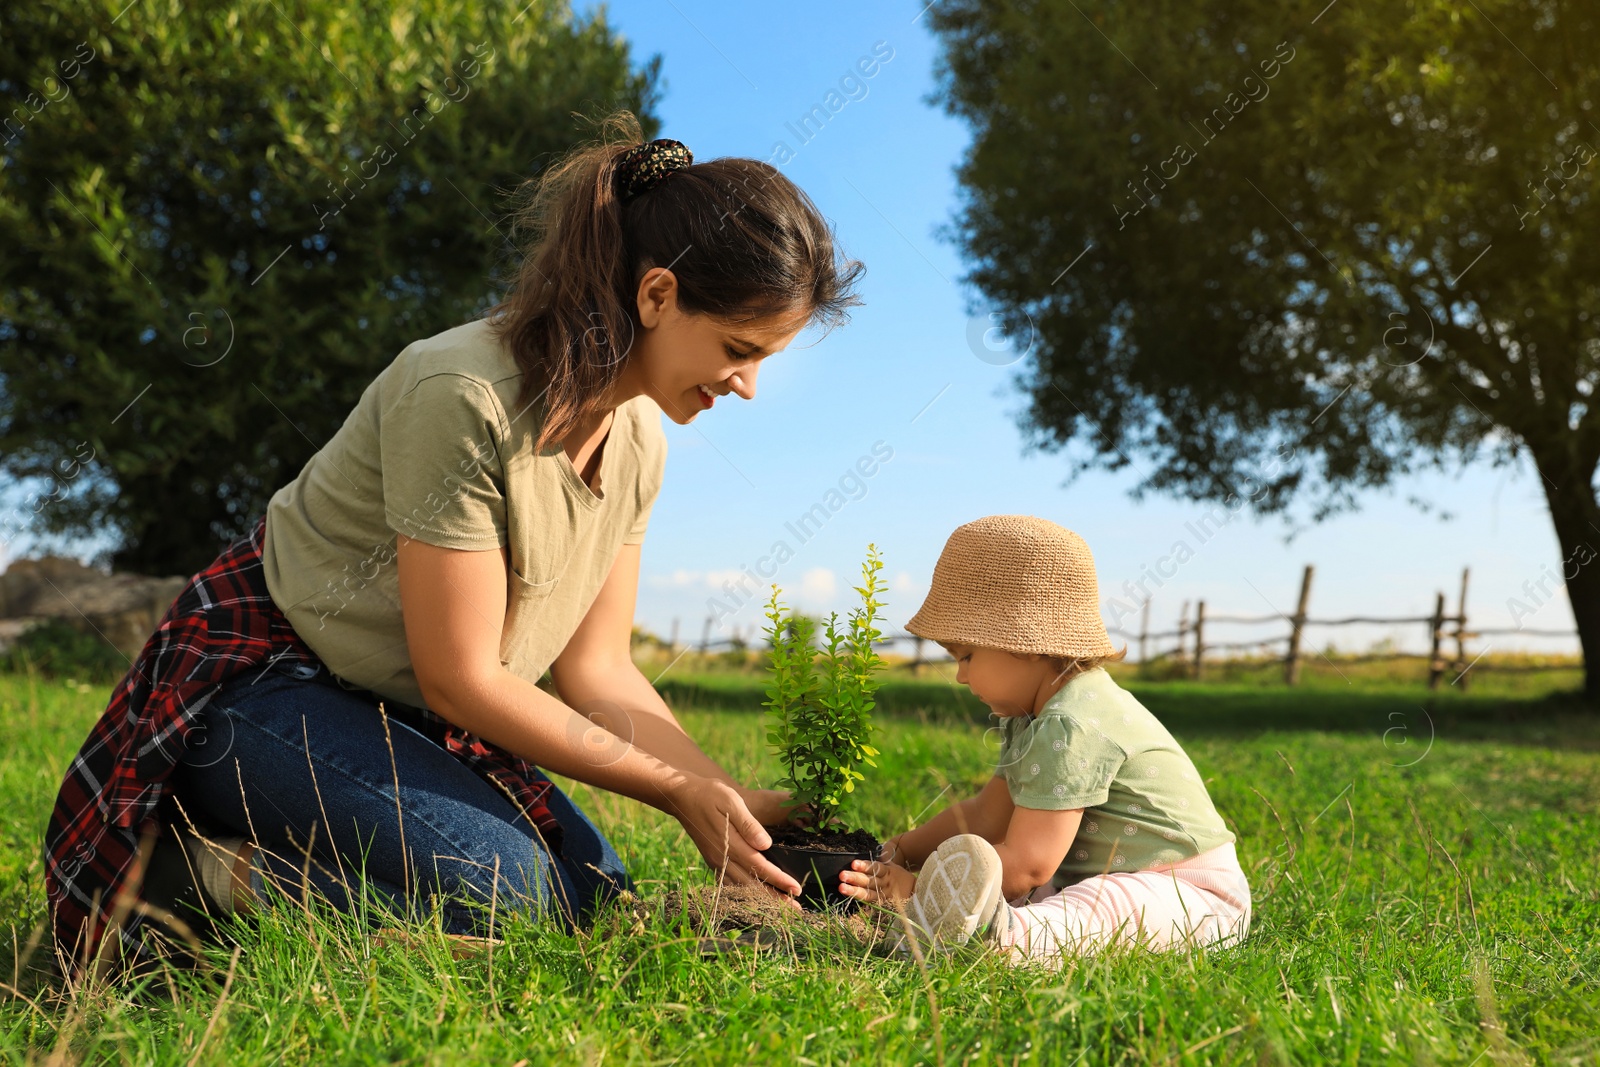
(565, 319)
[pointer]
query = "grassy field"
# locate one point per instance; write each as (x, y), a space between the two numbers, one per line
(1425, 869)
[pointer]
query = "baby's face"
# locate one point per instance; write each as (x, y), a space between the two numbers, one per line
(1008, 683)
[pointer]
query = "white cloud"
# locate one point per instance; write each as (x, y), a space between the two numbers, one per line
(678, 579)
(715, 579)
(818, 583)
(709, 581)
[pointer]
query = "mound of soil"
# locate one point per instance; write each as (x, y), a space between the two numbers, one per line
(751, 917)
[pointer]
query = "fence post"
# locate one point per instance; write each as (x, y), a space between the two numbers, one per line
(916, 660)
(1183, 633)
(1436, 636)
(673, 644)
(1291, 666)
(1199, 639)
(705, 636)
(1144, 632)
(1461, 630)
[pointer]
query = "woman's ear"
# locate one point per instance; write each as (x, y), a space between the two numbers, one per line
(657, 296)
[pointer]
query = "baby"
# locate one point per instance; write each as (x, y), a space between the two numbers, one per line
(1095, 827)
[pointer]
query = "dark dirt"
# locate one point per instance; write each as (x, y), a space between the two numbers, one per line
(751, 917)
(792, 836)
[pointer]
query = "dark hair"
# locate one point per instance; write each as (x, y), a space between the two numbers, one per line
(744, 242)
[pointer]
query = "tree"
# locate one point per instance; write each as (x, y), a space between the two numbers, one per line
(1318, 250)
(219, 222)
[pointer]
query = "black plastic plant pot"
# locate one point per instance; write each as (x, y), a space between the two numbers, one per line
(817, 871)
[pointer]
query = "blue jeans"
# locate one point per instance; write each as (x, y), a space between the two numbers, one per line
(453, 839)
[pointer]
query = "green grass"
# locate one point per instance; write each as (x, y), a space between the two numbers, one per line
(1422, 894)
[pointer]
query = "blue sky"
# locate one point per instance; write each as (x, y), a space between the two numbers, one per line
(916, 378)
(737, 78)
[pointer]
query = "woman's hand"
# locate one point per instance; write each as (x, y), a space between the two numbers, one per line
(730, 839)
(886, 883)
(770, 806)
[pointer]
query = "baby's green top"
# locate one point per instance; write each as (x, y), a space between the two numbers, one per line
(1094, 746)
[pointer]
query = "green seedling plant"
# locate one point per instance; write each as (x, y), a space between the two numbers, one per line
(820, 700)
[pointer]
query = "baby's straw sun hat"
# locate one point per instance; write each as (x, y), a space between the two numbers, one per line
(1015, 582)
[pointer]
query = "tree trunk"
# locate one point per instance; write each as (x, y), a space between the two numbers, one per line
(1576, 515)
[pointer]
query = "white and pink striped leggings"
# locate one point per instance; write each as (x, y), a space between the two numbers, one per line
(1203, 900)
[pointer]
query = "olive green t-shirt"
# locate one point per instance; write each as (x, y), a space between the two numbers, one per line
(436, 449)
(1094, 746)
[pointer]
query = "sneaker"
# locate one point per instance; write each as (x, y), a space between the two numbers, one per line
(188, 882)
(957, 896)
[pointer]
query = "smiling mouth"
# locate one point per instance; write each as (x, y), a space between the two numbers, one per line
(707, 397)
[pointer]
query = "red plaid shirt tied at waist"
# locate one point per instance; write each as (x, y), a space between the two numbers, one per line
(222, 624)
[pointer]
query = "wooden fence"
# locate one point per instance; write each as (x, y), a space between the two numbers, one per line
(1443, 629)
(1192, 647)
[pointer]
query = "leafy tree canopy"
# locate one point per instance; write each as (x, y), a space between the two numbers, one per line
(219, 222)
(1271, 254)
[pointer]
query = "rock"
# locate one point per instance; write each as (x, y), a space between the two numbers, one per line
(122, 608)
(27, 580)
(11, 629)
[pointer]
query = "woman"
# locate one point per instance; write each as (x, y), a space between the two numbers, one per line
(345, 700)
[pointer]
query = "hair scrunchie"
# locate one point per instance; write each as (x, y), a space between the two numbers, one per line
(643, 166)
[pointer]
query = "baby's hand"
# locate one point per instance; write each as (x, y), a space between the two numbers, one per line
(879, 882)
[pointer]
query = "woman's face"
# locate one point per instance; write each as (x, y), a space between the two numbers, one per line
(686, 362)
